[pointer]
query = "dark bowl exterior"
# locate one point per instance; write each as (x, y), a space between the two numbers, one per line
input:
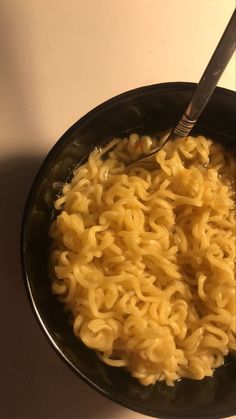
(147, 109)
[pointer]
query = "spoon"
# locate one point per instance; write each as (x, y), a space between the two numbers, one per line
(204, 89)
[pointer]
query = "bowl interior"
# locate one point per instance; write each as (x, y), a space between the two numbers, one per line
(144, 110)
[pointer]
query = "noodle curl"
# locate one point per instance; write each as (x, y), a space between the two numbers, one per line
(145, 259)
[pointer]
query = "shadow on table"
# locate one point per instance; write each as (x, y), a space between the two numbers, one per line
(36, 383)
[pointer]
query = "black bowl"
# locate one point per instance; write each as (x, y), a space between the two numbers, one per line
(147, 109)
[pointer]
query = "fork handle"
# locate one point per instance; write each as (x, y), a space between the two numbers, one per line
(209, 80)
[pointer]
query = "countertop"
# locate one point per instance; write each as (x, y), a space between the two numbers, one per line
(59, 59)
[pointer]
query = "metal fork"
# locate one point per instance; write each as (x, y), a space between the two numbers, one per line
(204, 90)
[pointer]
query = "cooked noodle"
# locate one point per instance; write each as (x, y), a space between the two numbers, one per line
(144, 257)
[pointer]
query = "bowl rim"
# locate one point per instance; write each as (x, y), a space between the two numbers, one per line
(59, 144)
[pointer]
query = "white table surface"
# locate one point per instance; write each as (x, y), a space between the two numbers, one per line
(59, 59)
